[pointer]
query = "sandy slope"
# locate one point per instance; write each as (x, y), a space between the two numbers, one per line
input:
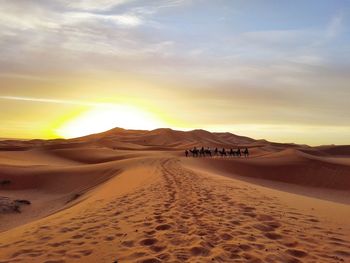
(156, 209)
(290, 166)
(131, 196)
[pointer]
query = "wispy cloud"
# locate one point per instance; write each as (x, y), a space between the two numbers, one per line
(123, 19)
(93, 5)
(56, 101)
(335, 26)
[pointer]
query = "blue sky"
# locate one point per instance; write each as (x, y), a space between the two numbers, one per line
(251, 67)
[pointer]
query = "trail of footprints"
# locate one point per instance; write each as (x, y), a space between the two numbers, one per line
(184, 217)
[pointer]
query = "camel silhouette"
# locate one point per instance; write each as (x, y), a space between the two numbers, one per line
(246, 152)
(194, 152)
(202, 152)
(232, 152)
(216, 151)
(208, 152)
(223, 152)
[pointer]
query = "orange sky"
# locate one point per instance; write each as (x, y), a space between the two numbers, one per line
(266, 71)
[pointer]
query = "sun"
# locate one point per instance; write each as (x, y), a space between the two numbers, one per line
(103, 118)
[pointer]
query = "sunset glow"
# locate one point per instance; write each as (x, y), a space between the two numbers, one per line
(101, 119)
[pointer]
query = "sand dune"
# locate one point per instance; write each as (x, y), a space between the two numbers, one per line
(91, 201)
(31, 157)
(91, 155)
(169, 137)
(159, 139)
(290, 166)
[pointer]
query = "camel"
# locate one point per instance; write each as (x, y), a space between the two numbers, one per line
(223, 152)
(231, 153)
(194, 152)
(246, 152)
(208, 151)
(216, 151)
(202, 152)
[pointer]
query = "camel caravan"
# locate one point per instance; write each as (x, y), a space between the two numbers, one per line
(223, 153)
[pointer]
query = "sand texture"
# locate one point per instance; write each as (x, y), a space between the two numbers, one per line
(131, 196)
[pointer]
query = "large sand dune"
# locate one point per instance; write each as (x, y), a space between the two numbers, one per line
(131, 196)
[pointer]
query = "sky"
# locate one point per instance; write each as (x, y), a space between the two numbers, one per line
(274, 69)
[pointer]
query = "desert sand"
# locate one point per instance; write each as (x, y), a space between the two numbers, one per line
(132, 196)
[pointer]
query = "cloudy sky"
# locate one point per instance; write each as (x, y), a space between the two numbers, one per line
(273, 69)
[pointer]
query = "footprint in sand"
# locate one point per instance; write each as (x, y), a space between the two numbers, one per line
(58, 244)
(199, 251)
(77, 236)
(109, 238)
(290, 244)
(245, 247)
(263, 227)
(297, 253)
(226, 237)
(150, 260)
(148, 241)
(163, 227)
(157, 248)
(128, 243)
(273, 236)
(85, 252)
